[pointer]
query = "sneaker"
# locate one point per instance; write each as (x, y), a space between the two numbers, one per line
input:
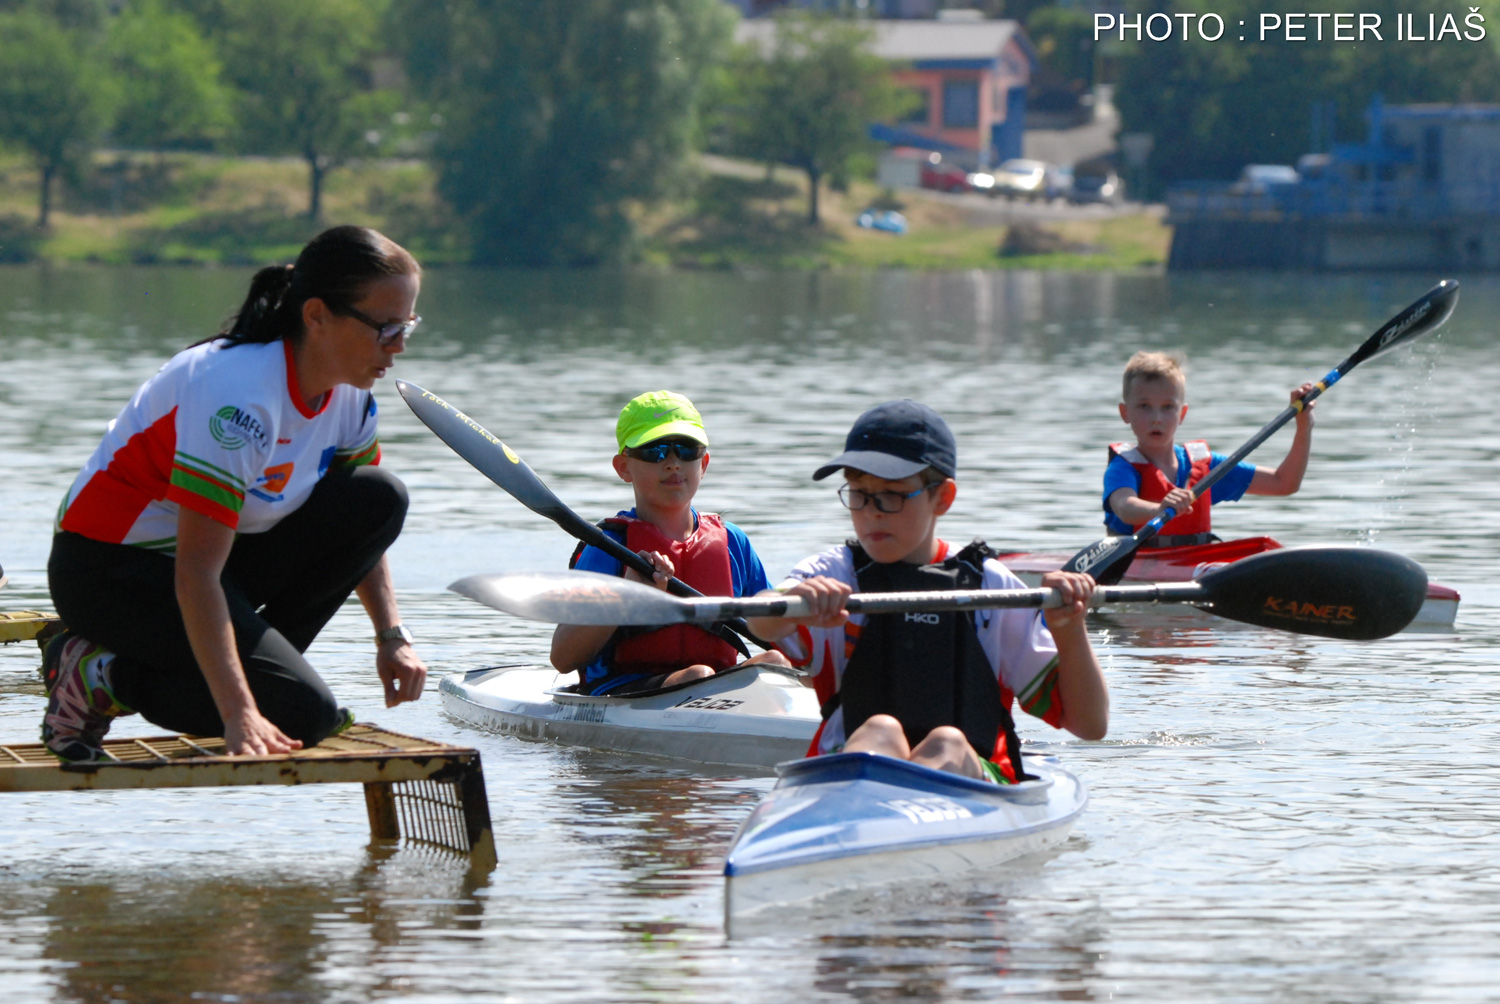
(80, 703)
(346, 722)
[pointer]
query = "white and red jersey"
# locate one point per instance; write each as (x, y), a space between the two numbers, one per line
(225, 432)
(1017, 643)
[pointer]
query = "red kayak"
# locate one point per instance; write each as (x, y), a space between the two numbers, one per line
(1183, 564)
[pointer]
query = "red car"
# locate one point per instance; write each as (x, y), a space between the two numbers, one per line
(944, 175)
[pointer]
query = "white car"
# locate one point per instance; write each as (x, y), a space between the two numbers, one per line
(1260, 179)
(1024, 179)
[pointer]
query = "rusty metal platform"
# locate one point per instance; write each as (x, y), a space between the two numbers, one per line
(415, 789)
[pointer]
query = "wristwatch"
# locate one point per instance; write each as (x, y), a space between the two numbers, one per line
(392, 633)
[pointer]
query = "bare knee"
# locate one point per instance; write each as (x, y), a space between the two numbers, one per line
(947, 748)
(879, 734)
(687, 673)
(947, 738)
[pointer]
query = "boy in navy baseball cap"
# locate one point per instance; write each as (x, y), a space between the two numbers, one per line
(934, 688)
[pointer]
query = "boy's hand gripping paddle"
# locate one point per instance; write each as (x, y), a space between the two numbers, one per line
(1107, 560)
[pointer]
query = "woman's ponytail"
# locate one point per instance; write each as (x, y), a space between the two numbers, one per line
(336, 266)
(261, 317)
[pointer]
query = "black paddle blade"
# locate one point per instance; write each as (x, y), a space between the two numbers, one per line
(482, 449)
(1425, 314)
(1106, 560)
(1352, 593)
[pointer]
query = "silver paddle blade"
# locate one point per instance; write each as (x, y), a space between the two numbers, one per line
(585, 598)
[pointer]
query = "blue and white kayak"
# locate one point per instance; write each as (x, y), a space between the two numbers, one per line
(855, 820)
(750, 717)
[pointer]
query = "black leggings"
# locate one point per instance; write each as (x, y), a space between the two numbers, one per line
(282, 587)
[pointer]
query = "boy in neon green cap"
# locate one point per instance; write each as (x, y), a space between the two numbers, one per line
(662, 454)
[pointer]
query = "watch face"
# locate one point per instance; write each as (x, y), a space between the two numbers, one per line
(392, 633)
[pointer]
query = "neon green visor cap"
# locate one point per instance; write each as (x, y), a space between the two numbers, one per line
(657, 414)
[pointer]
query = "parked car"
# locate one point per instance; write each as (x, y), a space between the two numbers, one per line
(888, 220)
(1021, 179)
(1260, 179)
(1059, 181)
(1096, 187)
(982, 181)
(944, 175)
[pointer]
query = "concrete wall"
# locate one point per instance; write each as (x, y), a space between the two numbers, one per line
(1349, 245)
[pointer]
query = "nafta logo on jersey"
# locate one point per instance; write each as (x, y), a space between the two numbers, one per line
(232, 428)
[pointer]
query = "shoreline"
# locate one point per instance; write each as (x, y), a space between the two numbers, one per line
(133, 208)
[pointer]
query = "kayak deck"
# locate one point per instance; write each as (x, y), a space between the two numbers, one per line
(752, 716)
(850, 821)
(1183, 564)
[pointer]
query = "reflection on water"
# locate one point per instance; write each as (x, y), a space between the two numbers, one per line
(299, 933)
(1273, 817)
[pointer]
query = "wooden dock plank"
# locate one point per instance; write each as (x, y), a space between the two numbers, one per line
(24, 625)
(416, 788)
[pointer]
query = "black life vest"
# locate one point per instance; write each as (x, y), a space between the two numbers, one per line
(926, 669)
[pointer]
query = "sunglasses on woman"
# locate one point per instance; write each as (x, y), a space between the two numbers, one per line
(655, 453)
(385, 334)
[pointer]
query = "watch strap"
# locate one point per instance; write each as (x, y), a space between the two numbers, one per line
(392, 633)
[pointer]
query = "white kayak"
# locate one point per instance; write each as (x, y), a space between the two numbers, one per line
(851, 821)
(754, 716)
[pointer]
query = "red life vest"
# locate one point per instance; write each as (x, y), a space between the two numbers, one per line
(702, 561)
(1154, 486)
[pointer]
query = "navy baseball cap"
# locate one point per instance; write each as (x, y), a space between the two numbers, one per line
(896, 440)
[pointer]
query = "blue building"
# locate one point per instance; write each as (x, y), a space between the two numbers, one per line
(1422, 192)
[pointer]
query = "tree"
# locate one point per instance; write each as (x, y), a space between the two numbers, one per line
(561, 116)
(1064, 41)
(55, 95)
(1213, 107)
(171, 91)
(810, 100)
(303, 71)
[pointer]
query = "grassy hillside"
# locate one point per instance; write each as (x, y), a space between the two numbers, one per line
(743, 218)
(200, 208)
(206, 209)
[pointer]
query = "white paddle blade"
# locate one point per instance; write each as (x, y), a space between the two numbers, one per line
(583, 598)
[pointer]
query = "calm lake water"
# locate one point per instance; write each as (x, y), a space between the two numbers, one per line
(1273, 817)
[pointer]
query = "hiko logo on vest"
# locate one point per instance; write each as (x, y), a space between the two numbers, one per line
(232, 428)
(920, 618)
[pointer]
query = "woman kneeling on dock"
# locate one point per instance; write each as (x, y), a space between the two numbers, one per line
(233, 506)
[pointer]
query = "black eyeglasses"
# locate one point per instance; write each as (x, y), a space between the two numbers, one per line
(385, 334)
(655, 453)
(887, 502)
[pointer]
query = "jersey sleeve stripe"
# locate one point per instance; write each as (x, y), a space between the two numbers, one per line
(1040, 697)
(197, 490)
(359, 456)
(208, 470)
(205, 505)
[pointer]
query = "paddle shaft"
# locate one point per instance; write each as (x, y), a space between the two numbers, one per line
(504, 467)
(709, 609)
(1339, 592)
(1109, 558)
